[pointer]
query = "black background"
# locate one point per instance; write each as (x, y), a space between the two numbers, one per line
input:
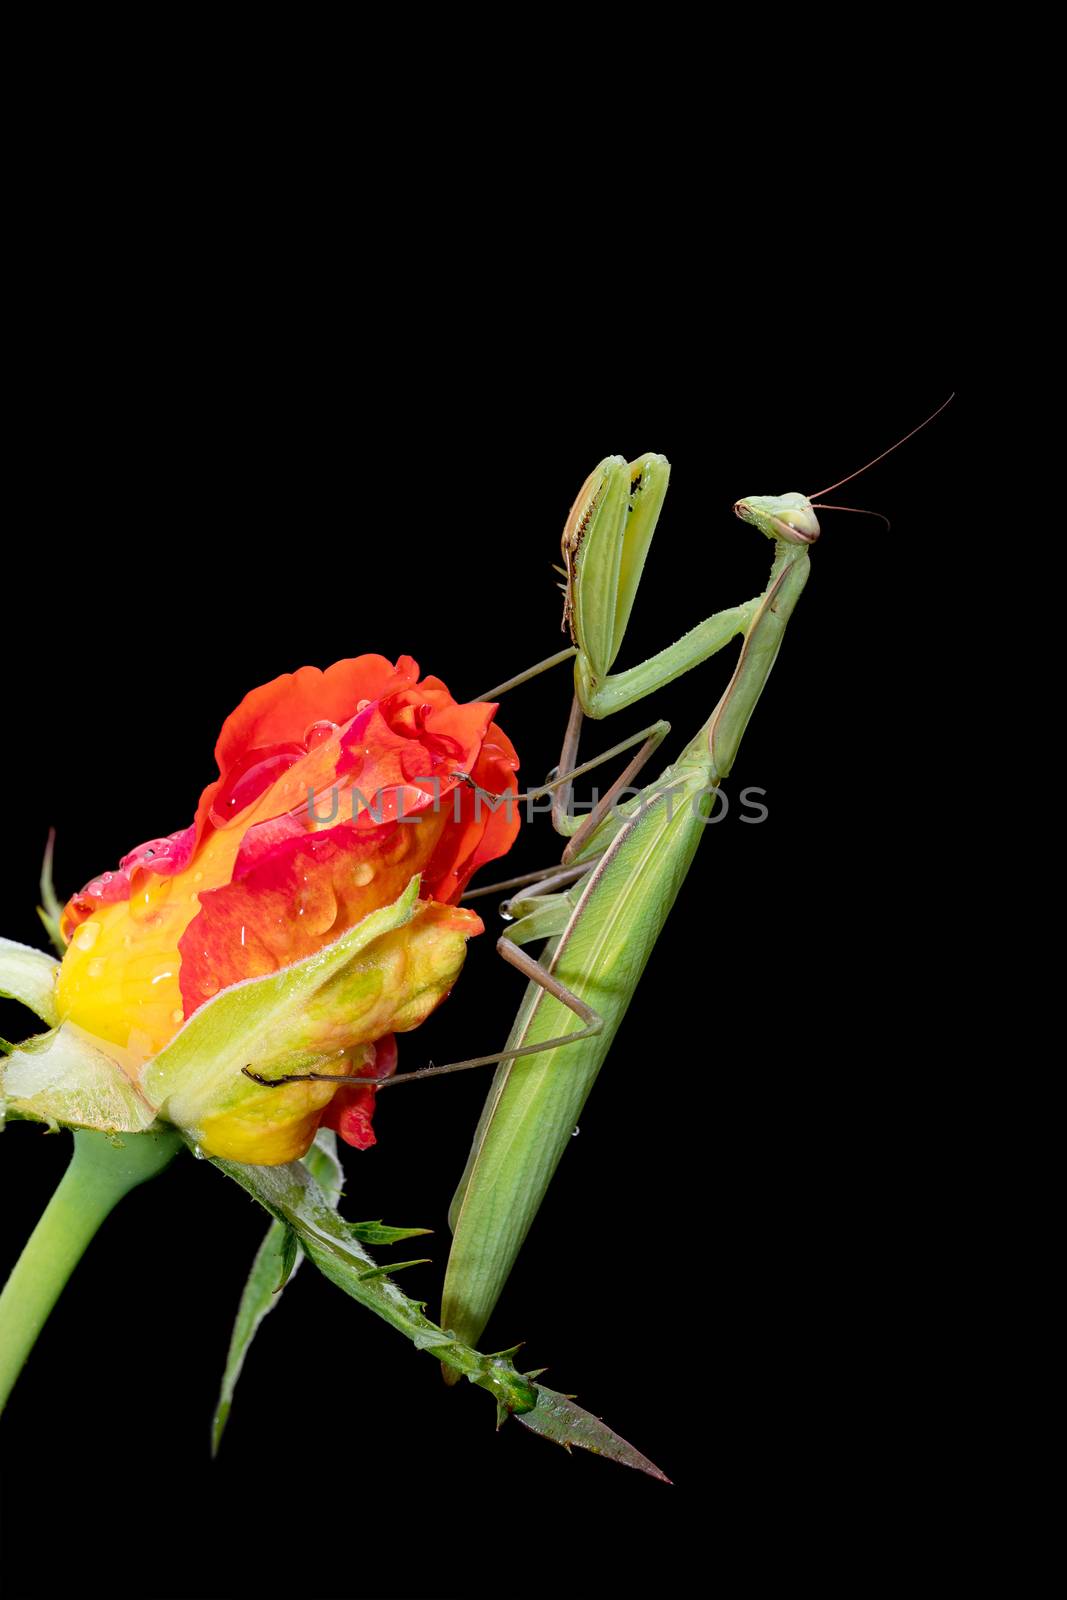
(731, 1266)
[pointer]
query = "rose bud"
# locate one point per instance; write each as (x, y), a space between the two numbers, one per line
(349, 813)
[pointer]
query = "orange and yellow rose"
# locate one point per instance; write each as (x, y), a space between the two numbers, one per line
(335, 790)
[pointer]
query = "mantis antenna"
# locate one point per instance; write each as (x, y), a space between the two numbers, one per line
(830, 487)
(860, 511)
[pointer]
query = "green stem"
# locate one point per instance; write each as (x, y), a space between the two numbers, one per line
(100, 1173)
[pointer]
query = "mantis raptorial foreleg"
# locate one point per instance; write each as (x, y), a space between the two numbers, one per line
(605, 542)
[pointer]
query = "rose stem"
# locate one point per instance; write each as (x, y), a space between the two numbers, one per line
(100, 1173)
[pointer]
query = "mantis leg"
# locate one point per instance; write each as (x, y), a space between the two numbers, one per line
(562, 819)
(561, 801)
(515, 957)
(545, 878)
(602, 696)
(531, 672)
(552, 877)
(653, 738)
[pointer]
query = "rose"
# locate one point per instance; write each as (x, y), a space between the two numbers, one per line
(336, 790)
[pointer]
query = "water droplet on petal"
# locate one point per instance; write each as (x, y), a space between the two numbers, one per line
(198, 1153)
(96, 967)
(363, 874)
(209, 985)
(177, 1015)
(250, 778)
(146, 901)
(86, 936)
(318, 733)
(505, 913)
(574, 1135)
(317, 905)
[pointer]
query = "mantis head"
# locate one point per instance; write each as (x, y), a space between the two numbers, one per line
(788, 517)
(605, 541)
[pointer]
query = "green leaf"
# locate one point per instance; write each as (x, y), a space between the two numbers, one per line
(394, 1266)
(30, 976)
(380, 1233)
(66, 1077)
(556, 1417)
(257, 1300)
(289, 1251)
(324, 1164)
(271, 1270)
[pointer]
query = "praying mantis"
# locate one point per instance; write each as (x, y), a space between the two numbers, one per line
(623, 866)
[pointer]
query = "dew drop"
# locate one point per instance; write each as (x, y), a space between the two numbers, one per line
(574, 1135)
(86, 936)
(318, 733)
(317, 905)
(95, 969)
(250, 778)
(177, 1015)
(145, 904)
(198, 1153)
(209, 984)
(363, 874)
(505, 914)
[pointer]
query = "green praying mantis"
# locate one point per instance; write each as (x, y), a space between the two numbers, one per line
(623, 865)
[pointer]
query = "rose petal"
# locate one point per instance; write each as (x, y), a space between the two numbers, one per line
(298, 898)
